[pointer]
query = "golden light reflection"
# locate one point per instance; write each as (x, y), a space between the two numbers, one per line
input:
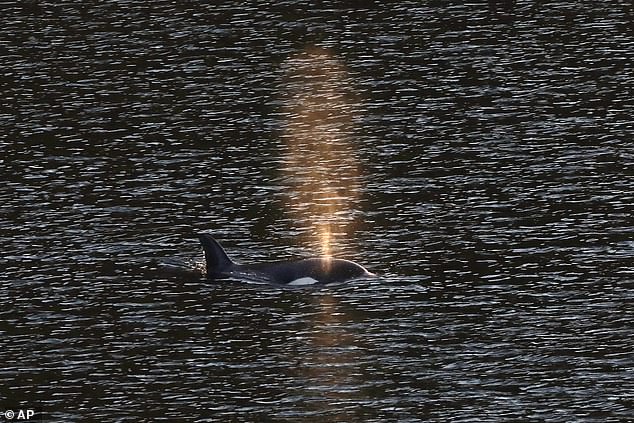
(332, 368)
(320, 164)
(323, 175)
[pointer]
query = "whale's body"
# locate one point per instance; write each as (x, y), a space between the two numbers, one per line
(322, 270)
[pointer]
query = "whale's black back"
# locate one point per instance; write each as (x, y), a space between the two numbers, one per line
(321, 270)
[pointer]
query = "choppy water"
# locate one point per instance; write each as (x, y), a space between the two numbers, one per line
(494, 196)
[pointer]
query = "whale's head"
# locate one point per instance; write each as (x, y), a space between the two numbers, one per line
(348, 268)
(339, 270)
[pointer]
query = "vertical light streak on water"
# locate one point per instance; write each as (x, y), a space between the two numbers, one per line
(320, 161)
(324, 179)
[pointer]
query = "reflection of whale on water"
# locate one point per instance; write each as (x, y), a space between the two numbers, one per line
(300, 272)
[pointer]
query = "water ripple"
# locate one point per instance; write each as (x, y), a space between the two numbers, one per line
(495, 203)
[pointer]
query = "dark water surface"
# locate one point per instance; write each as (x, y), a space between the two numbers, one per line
(494, 195)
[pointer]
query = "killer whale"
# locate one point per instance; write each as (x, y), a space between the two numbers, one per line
(322, 270)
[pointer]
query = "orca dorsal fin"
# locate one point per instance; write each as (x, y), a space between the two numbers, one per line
(215, 256)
